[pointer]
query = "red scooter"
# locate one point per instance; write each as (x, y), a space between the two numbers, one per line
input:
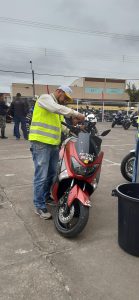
(77, 177)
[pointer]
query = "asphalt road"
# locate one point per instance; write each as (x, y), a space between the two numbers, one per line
(35, 261)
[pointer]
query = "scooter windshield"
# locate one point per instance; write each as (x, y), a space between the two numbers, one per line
(87, 146)
(83, 141)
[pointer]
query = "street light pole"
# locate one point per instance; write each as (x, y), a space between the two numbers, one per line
(33, 85)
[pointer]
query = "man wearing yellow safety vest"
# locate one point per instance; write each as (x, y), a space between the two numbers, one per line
(45, 137)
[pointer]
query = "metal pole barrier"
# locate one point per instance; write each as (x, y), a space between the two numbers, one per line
(103, 92)
(77, 104)
(103, 112)
(127, 108)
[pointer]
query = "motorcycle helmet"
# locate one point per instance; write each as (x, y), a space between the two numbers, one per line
(132, 108)
(91, 118)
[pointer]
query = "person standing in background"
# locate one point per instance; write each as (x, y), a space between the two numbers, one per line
(19, 109)
(3, 112)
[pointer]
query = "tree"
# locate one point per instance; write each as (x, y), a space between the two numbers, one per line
(133, 93)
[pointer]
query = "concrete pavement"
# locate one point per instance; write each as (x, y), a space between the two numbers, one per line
(35, 261)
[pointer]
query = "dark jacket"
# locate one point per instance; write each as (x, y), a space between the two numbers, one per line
(3, 108)
(19, 107)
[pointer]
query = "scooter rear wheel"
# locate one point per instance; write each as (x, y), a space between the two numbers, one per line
(76, 224)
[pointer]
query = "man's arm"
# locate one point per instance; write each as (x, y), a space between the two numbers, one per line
(47, 102)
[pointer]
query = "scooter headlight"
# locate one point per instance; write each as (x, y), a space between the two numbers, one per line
(82, 170)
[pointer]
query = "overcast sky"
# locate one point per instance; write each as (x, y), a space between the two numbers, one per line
(68, 37)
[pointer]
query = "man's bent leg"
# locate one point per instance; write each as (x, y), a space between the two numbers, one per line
(52, 170)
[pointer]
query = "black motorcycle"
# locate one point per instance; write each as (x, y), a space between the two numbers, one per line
(118, 119)
(131, 120)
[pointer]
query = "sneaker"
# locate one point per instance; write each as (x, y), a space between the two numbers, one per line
(50, 201)
(43, 213)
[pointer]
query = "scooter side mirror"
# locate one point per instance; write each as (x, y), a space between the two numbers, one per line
(104, 133)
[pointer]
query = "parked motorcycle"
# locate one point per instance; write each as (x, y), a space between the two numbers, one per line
(77, 178)
(127, 165)
(118, 119)
(131, 120)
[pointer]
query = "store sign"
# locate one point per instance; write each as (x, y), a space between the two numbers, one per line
(115, 91)
(90, 90)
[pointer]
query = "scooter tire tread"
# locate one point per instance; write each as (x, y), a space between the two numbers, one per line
(123, 165)
(83, 219)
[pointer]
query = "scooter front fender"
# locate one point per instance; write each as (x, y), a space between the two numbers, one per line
(132, 151)
(77, 193)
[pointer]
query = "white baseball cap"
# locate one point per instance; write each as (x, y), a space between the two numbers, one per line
(67, 90)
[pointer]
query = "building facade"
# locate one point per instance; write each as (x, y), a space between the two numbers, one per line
(84, 89)
(102, 89)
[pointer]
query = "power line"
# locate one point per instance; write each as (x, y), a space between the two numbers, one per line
(39, 74)
(55, 75)
(16, 72)
(45, 52)
(69, 29)
(104, 57)
(66, 76)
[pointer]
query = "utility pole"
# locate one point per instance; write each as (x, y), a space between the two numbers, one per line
(103, 95)
(33, 85)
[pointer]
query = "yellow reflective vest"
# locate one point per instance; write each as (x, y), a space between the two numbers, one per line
(46, 126)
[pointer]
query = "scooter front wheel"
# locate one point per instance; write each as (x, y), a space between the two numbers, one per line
(72, 223)
(127, 165)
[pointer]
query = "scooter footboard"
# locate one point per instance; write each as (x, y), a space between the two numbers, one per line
(77, 193)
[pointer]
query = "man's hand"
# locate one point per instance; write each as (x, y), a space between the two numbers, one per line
(82, 127)
(75, 121)
(80, 117)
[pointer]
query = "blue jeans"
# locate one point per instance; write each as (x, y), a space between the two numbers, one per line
(45, 159)
(17, 121)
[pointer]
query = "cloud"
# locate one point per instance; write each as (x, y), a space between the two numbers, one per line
(69, 52)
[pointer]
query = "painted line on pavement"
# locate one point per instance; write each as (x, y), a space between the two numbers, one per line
(112, 162)
(110, 145)
(14, 158)
(9, 175)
